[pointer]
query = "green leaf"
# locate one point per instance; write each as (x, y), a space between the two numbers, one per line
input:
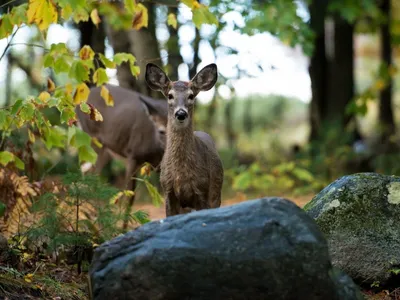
(107, 63)
(27, 112)
(53, 137)
(82, 138)
(48, 60)
(2, 209)
(154, 194)
(78, 71)
(71, 135)
(67, 114)
(85, 107)
(6, 26)
(202, 15)
(100, 77)
(16, 106)
(121, 57)
(61, 65)
(6, 157)
(130, 6)
(19, 163)
(87, 154)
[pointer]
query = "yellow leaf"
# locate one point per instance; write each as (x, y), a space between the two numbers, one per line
(50, 85)
(81, 93)
(105, 94)
(31, 136)
(66, 12)
(172, 20)
(96, 115)
(42, 13)
(97, 142)
(86, 53)
(28, 277)
(115, 199)
(141, 18)
(94, 16)
(195, 4)
(68, 88)
(145, 170)
(129, 193)
(379, 84)
(44, 97)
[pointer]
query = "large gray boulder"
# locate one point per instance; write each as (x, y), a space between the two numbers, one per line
(360, 217)
(260, 249)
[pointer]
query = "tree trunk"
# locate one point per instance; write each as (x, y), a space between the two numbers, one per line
(145, 47)
(120, 42)
(95, 38)
(317, 68)
(386, 119)
(174, 50)
(196, 58)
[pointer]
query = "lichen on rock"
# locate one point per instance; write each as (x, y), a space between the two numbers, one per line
(360, 217)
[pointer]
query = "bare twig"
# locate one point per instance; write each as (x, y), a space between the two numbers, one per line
(9, 43)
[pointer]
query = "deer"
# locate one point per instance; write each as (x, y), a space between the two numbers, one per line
(192, 173)
(132, 130)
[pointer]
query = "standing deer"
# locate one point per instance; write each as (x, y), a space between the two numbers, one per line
(133, 130)
(191, 170)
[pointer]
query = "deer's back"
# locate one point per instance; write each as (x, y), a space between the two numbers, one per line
(126, 129)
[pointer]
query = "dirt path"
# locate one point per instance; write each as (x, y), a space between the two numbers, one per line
(157, 213)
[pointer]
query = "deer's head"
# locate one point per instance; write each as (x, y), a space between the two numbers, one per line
(181, 94)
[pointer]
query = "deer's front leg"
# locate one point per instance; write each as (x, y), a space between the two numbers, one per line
(172, 205)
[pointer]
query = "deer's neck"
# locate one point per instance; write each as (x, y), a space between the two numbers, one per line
(180, 141)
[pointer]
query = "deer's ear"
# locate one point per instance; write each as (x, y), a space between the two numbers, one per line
(156, 78)
(206, 78)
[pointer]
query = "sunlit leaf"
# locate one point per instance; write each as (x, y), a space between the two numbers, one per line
(66, 12)
(42, 13)
(97, 142)
(154, 194)
(31, 136)
(6, 26)
(94, 16)
(141, 17)
(44, 97)
(105, 94)
(85, 108)
(202, 15)
(86, 52)
(6, 157)
(81, 93)
(100, 76)
(171, 20)
(130, 6)
(107, 63)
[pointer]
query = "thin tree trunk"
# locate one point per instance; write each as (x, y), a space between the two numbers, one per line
(120, 42)
(95, 38)
(144, 46)
(196, 57)
(386, 119)
(174, 50)
(317, 68)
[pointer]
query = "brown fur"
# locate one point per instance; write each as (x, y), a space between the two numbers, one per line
(127, 131)
(191, 170)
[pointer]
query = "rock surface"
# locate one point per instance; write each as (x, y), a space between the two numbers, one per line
(260, 249)
(360, 217)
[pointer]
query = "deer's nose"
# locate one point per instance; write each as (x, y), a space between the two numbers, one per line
(181, 115)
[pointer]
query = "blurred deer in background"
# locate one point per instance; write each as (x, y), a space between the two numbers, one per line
(191, 169)
(132, 130)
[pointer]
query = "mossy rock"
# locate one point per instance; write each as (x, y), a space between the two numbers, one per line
(360, 217)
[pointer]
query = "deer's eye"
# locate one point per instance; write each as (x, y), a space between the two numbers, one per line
(191, 97)
(170, 96)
